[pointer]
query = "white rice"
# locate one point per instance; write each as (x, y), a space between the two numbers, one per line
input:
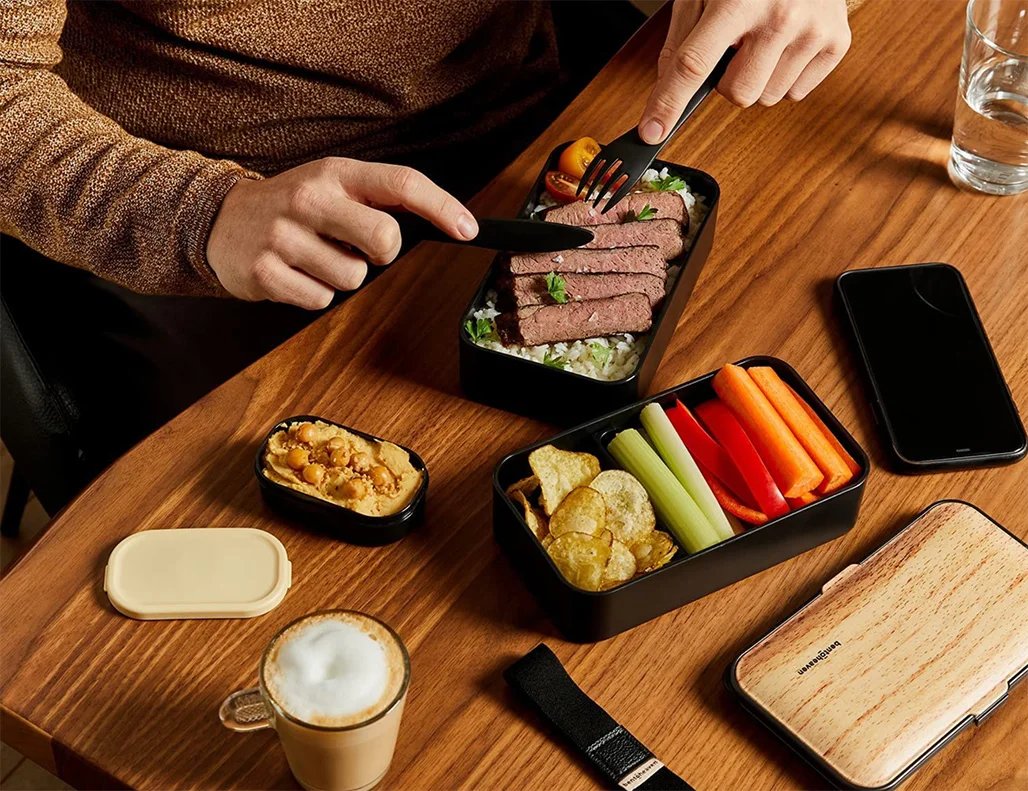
(580, 357)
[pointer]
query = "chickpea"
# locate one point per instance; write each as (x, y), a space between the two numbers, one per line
(335, 443)
(339, 458)
(297, 458)
(305, 433)
(361, 461)
(314, 474)
(381, 477)
(353, 489)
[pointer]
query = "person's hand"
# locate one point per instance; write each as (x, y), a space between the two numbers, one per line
(785, 49)
(301, 235)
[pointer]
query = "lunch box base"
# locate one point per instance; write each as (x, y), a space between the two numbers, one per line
(585, 616)
(534, 389)
(335, 520)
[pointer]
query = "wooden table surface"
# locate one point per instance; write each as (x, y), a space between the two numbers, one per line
(852, 177)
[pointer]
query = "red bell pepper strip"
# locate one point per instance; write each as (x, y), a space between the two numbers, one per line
(733, 438)
(705, 450)
(732, 506)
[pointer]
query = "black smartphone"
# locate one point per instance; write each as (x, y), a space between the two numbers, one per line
(937, 390)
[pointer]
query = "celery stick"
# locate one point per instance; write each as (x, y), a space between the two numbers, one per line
(672, 503)
(677, 457)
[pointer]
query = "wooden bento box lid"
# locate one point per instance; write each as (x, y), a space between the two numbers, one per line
(900, 650)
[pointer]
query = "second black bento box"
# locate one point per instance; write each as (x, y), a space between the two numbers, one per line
(533, 388)
(587, 616)
(335, 519)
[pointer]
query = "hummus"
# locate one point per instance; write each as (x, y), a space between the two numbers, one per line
(325, 461)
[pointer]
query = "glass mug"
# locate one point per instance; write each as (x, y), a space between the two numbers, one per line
(350, 757)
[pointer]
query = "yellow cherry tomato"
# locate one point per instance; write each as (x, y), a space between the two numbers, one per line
(576, 157)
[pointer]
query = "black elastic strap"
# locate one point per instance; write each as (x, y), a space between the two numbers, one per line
(622, 758)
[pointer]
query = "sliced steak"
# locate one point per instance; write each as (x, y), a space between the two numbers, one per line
(666, 204)
(643, 259)
(591, 318)
(667, 233)
(524, 290)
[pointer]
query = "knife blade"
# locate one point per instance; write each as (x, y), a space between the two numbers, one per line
(513, 236)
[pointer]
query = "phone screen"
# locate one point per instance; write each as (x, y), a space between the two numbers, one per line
(937, 382)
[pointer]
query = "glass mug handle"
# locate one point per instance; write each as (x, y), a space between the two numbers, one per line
(245, 711)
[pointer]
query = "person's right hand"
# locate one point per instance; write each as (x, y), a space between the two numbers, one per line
(785, 49)
(301, 235)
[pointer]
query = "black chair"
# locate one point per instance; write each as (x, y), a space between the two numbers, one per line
(38, 415)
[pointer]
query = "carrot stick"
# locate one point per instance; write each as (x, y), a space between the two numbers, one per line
(829, 434)
(790, 465)
(804, 499)
(787, 405)
(730, 504)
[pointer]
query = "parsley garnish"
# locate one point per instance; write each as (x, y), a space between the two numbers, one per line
(480, 329)
(647, 212)
(668, 184)
(556, 287)
(600, 354)
(554, 361)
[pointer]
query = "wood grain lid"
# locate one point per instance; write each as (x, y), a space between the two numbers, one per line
(900, 650)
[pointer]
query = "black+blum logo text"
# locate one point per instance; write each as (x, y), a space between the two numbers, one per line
(820, 656)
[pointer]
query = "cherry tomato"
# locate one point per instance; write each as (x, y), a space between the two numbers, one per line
(561, 186)
(576, 157)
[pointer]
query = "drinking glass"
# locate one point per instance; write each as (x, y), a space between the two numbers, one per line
(989, 151)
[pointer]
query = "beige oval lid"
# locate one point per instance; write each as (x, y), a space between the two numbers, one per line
(205, 572)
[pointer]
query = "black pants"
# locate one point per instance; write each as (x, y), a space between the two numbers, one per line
(114, 365)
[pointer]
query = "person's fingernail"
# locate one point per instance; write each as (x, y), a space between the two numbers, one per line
(653, 131)
(467, 226)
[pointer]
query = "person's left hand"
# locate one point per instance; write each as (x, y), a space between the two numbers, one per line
(785, 49)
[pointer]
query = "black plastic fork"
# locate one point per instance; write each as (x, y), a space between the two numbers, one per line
(628, 156)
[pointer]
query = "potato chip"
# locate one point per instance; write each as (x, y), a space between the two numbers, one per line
(629, 512)
(582, 511)
(560, 471)
(533, 516)
(526, 486)
(653, 551)
(620, 567)
(547, 541)
(582, 558)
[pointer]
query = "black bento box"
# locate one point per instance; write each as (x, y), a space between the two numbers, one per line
(585, 616)
(335, 520)
(538, 390)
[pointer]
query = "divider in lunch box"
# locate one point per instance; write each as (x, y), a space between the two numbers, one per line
(593, 437)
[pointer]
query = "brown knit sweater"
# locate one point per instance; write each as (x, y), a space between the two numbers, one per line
(125, 123)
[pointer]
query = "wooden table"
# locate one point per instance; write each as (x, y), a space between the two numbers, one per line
(854, 176)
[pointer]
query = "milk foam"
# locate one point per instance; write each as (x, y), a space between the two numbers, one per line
(334, 669)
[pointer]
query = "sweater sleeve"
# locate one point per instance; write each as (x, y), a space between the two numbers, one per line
(81, 190)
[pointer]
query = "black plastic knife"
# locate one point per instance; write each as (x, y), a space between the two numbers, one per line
(514, 236)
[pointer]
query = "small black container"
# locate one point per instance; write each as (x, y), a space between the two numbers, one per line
(585, 616)
(336, 520)
(531, 388)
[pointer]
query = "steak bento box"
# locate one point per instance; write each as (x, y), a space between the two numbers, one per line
(566, 381)
(586, 612)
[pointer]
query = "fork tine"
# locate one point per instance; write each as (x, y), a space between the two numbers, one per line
(604, 180)
(590, 170)
(621, 192)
